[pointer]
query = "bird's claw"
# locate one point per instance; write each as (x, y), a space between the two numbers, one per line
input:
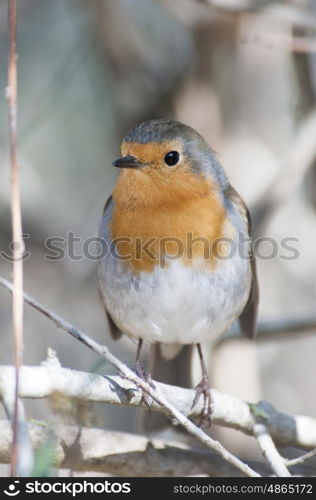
(146, 377)
(203, 389)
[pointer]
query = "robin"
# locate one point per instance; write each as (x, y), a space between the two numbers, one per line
(175, 275)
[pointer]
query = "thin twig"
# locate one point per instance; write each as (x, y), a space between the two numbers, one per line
(280, 11)
(275, 329)
(269, 451)
(293, 167)
(17, 300)
(298, 44)
(25, 460)
(299, 460)
(104, 352)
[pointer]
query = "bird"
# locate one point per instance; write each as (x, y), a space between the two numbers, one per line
(174, 273)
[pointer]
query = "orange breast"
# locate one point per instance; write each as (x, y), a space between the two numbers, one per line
(156, 215)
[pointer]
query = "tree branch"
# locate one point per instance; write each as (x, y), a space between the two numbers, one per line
(21, 455)
(275, 329)
(104, 352)
(50, 378)
(301, 459)
(25, 457)
(269, 450)
(300, 156)
(302, 18)
(290, 43)
(123, 454)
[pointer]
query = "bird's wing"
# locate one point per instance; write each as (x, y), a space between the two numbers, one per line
(248, 317)
(114, 330)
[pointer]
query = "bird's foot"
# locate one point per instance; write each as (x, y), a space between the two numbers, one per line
(203, 389)
(146, 377)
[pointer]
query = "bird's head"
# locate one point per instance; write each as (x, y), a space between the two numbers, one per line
(165, 156)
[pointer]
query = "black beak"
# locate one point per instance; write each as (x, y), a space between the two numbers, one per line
(127, 162)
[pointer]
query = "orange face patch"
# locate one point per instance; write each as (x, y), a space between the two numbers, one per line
(152, 154)
(161, 211)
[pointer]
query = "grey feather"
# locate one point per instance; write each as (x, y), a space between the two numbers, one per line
(248, 318)
(107, 212)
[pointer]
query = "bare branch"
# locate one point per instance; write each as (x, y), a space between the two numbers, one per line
(25, 453)
(269, 450)
(301, 18)
(298, 17)
(301, 459)
(122, 454)
(50, 378)
(291, 43)
(275, 329)
(18, 250)
(295, 164)
(104, 352)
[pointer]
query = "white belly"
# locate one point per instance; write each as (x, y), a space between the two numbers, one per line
(178, 304)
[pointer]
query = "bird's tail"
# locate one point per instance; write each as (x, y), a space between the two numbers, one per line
(169, 364)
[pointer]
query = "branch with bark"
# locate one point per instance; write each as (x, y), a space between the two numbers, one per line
(20, 438)
(127, 390)
(94, 450)
(293, 167)
(144, 386)
(276, 329)
(286, 12)
(51, 378)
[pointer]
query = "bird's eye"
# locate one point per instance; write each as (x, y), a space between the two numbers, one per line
(172, 158)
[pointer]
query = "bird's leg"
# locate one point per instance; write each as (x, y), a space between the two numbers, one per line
(141, 373)
(138, 368)
(203, 388)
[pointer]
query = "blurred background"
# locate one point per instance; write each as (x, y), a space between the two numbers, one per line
(242, 73)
